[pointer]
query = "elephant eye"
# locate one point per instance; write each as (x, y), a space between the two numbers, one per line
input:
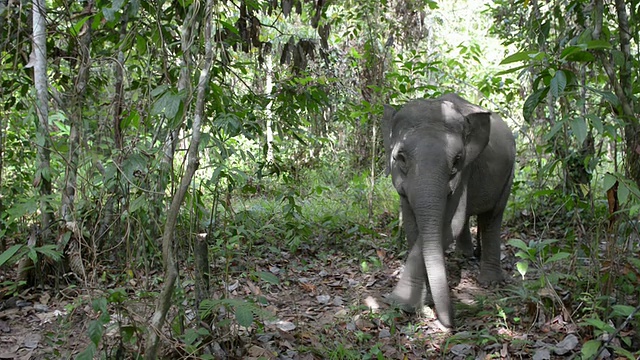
(401, 160)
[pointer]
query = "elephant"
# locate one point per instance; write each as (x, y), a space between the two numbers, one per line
(449, 159)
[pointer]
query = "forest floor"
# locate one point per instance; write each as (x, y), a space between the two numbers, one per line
(323, 306)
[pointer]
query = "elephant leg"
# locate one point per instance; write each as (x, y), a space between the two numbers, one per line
(406, 295)
(489, 239)
(410, 292)
(464, 243)
(489, 234)
(460, 227)
(409, 222)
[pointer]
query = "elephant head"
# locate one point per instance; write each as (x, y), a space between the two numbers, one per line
(431, 145)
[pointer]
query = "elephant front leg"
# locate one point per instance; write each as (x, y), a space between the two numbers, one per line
(411, 291)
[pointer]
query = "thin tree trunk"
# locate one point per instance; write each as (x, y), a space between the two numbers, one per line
(43, 175)
(3, 242)
(269, 114)
(118, 104)
(74, 252)
(42, 179)
(171, 272)
(632, 125)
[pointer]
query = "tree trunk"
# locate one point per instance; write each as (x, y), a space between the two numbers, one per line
(268, 113)
(171, 272)
(43, 174)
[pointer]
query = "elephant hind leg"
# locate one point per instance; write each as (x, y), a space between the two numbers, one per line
(489, 224)
(464, 243)
(489, 248)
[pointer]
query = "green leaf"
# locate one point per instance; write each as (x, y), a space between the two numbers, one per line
(623, 192)
(75, 30)
(50, 251)
(8, 254)
(268, 277)
(33, 255)
(137, 203)
(554, 130)
(99, 304)
(95, 330)
(522, 267)
(88, 353)
(623, 310)
(520, 56)
(517, 243)
(598, 44)
(557, 256)
(532, 102)
(590, 348)
(608, 181)
(558, 83)
(600, 325)
(607, 95)
(244, 315)
(579, 128)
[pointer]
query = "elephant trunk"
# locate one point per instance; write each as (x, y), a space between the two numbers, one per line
(431, 212)
(425, 263)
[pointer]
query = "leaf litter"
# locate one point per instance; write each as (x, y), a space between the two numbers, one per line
(322, 303)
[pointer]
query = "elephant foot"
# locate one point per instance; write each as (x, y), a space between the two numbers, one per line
(490, 277)
(408, 302)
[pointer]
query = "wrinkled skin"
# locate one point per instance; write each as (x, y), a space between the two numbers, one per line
(449, 159)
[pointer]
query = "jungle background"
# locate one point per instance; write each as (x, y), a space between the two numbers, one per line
(205, 179)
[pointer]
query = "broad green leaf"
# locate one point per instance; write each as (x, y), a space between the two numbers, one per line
(598, 44)
(8, 254)
(244, 315)
(554, 130)
(75, 29)
(571, 50)
(558, 83)
(95, 330)
(99, 304)
(596, 122)
(582, 56)
(32, 254)
(517, 243)
(579, 128)
(623, 192)
(532, 102)
(608, 181)
(600, 325)
(268, 277)
(623, 310)
(522, 267)
(512, 70)
(137, 203)
(590, 348)
(557, 256)
(50, 251)
(519, 56)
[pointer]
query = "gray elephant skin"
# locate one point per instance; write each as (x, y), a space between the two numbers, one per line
(449, 159)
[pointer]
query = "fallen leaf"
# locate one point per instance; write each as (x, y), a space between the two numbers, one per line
(567, 344)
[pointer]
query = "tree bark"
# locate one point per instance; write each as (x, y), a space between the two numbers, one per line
(623, 88)
(39, 56)
(171, 272)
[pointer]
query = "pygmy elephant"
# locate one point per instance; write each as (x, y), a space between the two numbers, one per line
(449, 159)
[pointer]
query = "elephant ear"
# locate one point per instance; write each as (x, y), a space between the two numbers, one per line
(477, 132)
(387, 133)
